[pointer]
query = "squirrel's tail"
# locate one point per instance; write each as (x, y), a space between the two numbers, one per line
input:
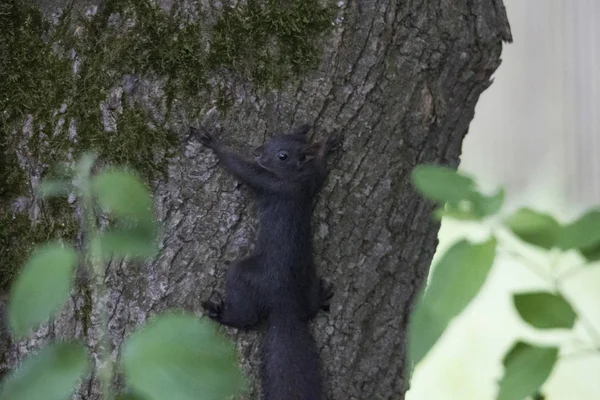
(290, 360)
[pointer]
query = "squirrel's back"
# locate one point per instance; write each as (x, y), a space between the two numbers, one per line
(285, 231)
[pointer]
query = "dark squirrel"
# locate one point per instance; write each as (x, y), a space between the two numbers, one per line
(278, 284)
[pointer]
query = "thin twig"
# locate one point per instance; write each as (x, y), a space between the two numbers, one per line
(572, 271)
(581, 353)
(533, 266)
(105, 368)
(591, 330)
(554, 257)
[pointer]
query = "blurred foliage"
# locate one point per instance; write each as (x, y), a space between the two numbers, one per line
(461, 272)
(175, 355)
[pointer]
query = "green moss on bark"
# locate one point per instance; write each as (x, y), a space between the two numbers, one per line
(270, 42)
(59, 75)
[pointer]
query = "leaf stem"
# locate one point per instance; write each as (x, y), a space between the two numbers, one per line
(593, 333)
(529, 264)
(571, 272)
(105, 364)
(581, 353)
(554, 258)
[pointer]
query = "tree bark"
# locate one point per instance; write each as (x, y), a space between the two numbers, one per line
(400, 80)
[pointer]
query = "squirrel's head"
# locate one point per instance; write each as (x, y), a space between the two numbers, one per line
(287, 154)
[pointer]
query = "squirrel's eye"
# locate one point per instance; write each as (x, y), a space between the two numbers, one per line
(282, 155)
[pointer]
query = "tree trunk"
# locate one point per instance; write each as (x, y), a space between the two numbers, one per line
(399, 79)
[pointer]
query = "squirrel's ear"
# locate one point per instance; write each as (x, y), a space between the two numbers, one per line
(301, 130)
(310, 152)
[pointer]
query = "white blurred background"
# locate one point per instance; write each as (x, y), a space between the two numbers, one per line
(536, 132)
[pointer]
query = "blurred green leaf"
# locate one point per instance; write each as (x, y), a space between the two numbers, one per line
(456, 280)
(84, 165)
(130, 396)
(51, 374)
(441, 184)
(122, 194)
(488, 205)
(462, 201)
(526, 368)
(42, 287)
(591, 254)
(53, 188)
(180, 357)
(138, 242)
(583, 234)
(461, 212)
(534, 228)
(545, 310)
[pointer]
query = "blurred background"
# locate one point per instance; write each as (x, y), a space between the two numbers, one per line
(536, 132)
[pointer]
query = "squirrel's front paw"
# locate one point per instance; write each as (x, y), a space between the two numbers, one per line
(213, 308)
(333, 142)
(205, 138)
(209, 141)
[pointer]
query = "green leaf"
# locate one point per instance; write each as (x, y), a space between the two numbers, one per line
(456, 280)
(441, 184)
(53, 188)
(42, 287)
(51, 374)
(545, 310)
(121, 193)
(583, 233)
(130, 396)
(526, 368)
(180, 357)
(134, 243)
(426, 326)
(463, 211)
(84, 165)
(591, 254)
(534, 228)
(488, 205)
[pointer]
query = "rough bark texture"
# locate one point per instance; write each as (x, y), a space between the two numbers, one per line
(400, 79)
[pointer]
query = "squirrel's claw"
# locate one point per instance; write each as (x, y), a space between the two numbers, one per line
(204, 137)
(213, 308)
(333, 142)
